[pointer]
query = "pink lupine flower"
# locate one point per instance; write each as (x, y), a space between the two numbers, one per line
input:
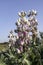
(19, 34)
(25, 27)
(24, 33)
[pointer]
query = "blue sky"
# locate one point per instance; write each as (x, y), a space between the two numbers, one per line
(9, 14)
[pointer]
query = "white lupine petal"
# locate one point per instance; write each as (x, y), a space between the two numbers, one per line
(35, 12)
(28, 23)
(22, 42)
(34, 43)
(18, 23)
(19, 13)
(18, 51)
(36, 20)
(17, 37)
(9, 45)
(19, 20)
(28, 35)
(25, 20)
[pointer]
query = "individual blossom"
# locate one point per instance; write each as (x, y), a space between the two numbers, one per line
(20, 34)
(29, 13)
(28, 23)
(26, 41)
(18, 51)
(21, 48)
(11, 38)
(25, 27)
(24, 33)
(18, 23)
(22, 42)
(36, 22)
(17, 37)
(9, 44)
(22, 14)
(25, 20)
(33, 12)
(34, 43)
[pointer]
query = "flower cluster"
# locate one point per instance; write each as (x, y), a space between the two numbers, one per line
(26, 24)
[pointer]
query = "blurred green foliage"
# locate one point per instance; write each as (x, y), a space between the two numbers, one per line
(31, 56)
